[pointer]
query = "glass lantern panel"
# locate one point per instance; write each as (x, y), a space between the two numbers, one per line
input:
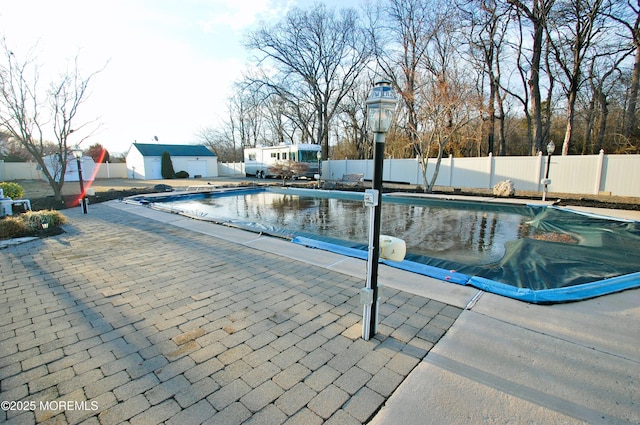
(379, 118)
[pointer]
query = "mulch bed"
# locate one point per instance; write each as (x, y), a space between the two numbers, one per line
(49, 203)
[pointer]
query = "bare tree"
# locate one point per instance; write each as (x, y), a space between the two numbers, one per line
(627, 14)
(288, 169)
(219, 142)
(24, 115)
(537, 14)
(449, 104)
(352, 135)
(486, 32)
(402, 31)
(573, 31)
(318, 55)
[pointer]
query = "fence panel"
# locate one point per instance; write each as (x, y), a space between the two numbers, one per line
(523, 171)
(621, 175)
(111, 171)
(572, 174)
(231, 169)
(20, 171)
(471, 172)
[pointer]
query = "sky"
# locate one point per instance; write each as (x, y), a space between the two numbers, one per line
(166, 66)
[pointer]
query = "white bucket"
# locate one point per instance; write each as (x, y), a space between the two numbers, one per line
(392, 249)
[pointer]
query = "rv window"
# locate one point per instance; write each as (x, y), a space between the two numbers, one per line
(252, 157)
(274, 155)
(308, 156)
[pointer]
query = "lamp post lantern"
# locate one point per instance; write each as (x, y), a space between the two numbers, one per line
(77, 152)
(380, 108)
(546, 181)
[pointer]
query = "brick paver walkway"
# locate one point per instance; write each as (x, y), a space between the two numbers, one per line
(129, 320)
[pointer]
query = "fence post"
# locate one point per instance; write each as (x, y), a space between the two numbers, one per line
(490, 173)
(539, 171)
(598, 176)
(450, 170)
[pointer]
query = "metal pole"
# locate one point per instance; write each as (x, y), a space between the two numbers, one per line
(82, 200)
(371, 311)
(546, 174)
(546, 178)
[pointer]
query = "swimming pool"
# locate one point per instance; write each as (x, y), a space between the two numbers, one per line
(533, 253)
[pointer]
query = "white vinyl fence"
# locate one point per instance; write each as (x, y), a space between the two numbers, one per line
(30, 171)
(231, 169)
(580, 174)
(585, 174)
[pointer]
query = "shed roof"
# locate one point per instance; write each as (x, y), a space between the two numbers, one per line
(152, 149)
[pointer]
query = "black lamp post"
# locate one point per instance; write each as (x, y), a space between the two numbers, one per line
(77, 152)
(319, 156)
(546, 182)
(380, 107)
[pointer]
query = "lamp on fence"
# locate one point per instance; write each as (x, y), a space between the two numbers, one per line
(380, 108)
(77, 152)
(546, 181)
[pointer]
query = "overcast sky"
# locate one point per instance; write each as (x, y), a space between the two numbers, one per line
(169, 63)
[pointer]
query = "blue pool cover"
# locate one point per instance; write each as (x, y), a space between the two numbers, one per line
(606, 259)
(539, 296)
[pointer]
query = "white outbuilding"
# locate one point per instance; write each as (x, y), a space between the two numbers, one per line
(144, 160)
(87, 165)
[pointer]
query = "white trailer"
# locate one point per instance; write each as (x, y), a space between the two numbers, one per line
(258, 160)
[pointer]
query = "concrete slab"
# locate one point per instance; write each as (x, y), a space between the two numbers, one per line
(607, 212)
(494, 199)
(610, 324)
(486, 370)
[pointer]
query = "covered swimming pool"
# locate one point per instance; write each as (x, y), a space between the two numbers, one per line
(534, 253)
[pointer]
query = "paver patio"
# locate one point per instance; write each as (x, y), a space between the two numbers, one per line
(128, 320)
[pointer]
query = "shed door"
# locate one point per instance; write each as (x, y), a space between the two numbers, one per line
(197, 168)
(156, 170)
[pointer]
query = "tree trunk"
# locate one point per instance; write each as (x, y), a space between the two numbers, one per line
(602, 99)
(587, 147)
(568, 135)
(630, 113)
(534, 88)
(492, 116)
(434, 177)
